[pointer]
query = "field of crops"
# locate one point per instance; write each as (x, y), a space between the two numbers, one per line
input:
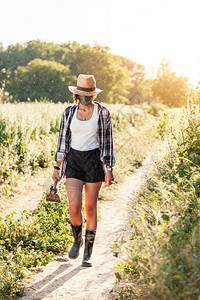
(29, 134)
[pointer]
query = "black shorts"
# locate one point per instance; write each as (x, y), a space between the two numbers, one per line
(85, 165)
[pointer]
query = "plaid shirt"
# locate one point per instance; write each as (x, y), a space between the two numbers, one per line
(104, 136)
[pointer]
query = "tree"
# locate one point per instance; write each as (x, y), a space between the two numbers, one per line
(169, 88)
(41, 78)
(111, 77)
(21, 54)
(139, 90)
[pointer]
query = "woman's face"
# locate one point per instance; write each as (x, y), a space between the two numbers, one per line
(85, 100)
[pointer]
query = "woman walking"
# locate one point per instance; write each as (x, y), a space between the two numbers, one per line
(85, 151)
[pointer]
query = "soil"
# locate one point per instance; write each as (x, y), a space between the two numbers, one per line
(27, 194)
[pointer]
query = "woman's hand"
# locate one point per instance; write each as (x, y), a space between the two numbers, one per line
(109, 178)
(56, 175)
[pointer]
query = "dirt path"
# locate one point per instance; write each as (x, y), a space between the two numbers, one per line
(27, 196)
(68, 279)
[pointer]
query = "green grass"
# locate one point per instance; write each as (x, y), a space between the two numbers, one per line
(30, 241)
(163, 253)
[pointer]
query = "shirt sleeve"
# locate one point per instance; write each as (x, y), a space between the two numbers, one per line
(61, 146)
(109, 158)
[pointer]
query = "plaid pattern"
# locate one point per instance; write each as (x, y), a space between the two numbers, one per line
(104, 136)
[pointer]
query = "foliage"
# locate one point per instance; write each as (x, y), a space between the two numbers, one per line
(4, 96)
(190, 135)
(110, 76)
(28, 138)
(21, 54)
(163, 253)
(41, 78)
(139, 90)
(17, 61)
(169, 88)
(121, 79)
(155, 108)
(30, 241)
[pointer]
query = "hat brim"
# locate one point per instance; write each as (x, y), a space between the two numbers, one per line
(74, 90)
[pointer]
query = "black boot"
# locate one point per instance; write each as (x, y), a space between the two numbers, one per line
(89, 241)
(78, 241)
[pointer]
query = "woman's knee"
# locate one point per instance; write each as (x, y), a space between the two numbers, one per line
(91, 210)
(75, 210)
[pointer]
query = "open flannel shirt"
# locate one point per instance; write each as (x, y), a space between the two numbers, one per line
(104, 137)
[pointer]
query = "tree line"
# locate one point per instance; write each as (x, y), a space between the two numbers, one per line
(41, 70)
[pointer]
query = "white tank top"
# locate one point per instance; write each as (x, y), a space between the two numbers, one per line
(84, 133)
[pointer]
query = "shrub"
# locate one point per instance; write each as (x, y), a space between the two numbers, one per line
(30, 241)
(163, 253)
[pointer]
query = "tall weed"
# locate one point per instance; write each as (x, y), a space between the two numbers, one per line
(164, 250)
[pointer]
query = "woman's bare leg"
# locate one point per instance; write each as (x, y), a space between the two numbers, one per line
(74, 192)
(91, 195)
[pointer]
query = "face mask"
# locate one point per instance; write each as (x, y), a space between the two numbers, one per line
(85, 100)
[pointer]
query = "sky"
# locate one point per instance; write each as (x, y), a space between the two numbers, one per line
(145, 31)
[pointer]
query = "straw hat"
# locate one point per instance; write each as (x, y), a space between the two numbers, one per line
(86, 86)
